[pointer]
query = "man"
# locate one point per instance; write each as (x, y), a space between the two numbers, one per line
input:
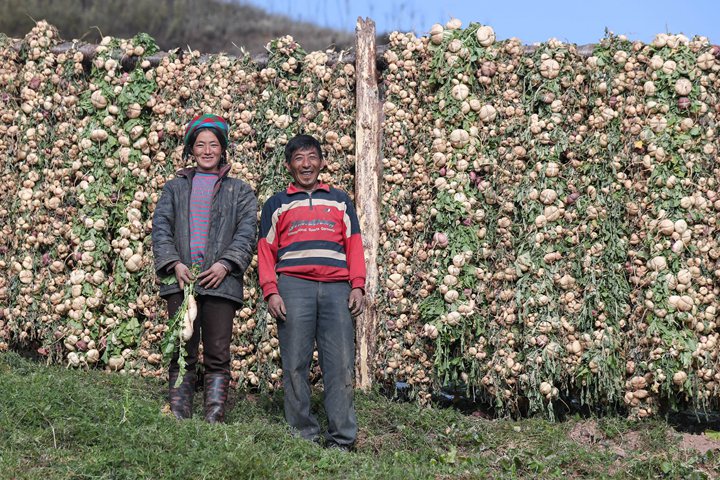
(312, 272)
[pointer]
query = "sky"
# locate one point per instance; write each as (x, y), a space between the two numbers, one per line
(579, 21)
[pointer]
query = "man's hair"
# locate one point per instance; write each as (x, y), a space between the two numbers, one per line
(301, 142)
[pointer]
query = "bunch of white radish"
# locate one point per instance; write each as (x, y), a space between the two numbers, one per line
(180, 329)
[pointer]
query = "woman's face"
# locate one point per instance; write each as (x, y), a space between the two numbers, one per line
(207, 152)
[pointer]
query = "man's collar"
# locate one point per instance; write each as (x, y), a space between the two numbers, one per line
(320, 186)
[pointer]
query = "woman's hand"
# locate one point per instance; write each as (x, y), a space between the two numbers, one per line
(213, 276)
(183, 274)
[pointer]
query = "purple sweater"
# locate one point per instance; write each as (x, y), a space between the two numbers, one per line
(200, 203)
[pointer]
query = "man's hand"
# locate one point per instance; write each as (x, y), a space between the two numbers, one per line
(356, 303)
(213, 276)
(183, 274)
(276, 307)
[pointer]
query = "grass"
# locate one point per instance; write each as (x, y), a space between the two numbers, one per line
(59, 423)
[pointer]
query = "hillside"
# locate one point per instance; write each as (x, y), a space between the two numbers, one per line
(209, 26)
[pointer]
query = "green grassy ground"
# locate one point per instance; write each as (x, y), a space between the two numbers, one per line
(58, 423)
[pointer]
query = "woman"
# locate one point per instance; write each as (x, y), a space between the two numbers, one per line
(206, 219)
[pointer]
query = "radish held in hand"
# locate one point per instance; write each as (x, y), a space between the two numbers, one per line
(189, 318)
(180, 326)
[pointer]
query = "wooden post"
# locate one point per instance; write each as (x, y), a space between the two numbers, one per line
(368, 167)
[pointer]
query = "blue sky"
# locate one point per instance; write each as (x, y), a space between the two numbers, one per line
(579, 21)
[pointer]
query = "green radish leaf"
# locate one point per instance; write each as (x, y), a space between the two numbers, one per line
(168, 280)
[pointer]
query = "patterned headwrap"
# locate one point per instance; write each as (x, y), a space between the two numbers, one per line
(206, 121)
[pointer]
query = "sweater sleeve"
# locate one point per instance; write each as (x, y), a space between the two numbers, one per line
(354, 249)
(267, 250)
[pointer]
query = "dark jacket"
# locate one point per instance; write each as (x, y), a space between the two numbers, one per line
(231, 238)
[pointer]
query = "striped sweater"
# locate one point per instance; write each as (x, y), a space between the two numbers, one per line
(315, 236)
(200, 203)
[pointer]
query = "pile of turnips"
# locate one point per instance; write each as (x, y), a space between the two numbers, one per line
(549, 217)
(550, 229)
(86, 149)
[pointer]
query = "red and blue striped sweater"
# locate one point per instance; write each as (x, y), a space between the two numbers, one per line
(315, 236)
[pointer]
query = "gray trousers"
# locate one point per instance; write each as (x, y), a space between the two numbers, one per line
(318, 312)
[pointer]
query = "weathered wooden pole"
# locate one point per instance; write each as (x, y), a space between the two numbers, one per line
(368, 168)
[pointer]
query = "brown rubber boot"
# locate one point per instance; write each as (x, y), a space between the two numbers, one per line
(181, 398)
(216, 393)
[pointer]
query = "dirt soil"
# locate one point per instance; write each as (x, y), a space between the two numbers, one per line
(587, 433)
(701, 443)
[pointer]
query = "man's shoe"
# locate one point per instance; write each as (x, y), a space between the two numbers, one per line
(344, 447)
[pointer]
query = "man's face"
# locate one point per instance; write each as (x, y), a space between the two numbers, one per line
(304, 167)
